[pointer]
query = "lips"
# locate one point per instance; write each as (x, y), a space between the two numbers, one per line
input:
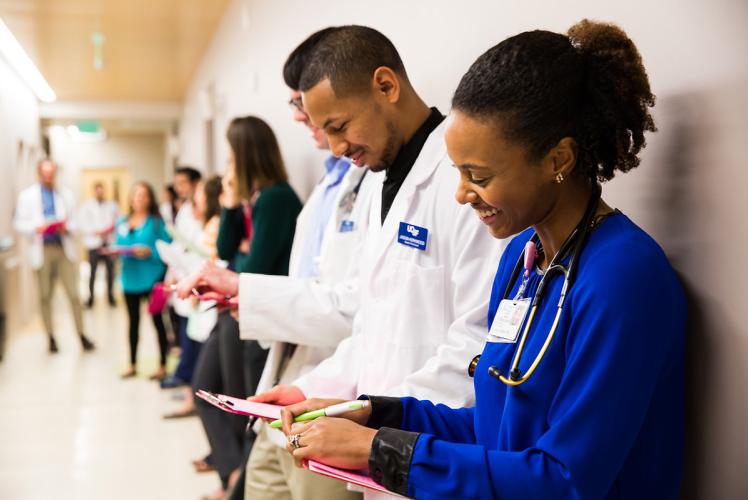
(357, 158)
(486, 213)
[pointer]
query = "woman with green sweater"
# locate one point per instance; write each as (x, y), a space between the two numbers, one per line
(255, 236)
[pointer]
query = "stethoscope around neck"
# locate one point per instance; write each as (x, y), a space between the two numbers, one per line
(571, 247)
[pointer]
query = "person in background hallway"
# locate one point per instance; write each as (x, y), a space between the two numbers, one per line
(142, 268)
(170, 204)
(45, 216)
(96, 220)
(188, 229)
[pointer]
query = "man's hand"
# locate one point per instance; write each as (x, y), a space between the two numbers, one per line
(210, 278)
(282, 395)
(334, 441)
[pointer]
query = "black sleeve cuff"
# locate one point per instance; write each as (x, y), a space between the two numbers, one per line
(390, 457)
(385, 412)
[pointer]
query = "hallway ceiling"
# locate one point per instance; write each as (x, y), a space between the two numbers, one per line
(150, 50)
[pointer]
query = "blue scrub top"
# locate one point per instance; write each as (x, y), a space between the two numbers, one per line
(139, 275)
(601, 417)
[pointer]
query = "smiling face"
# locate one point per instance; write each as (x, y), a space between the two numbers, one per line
(358, 126)
(507, 190)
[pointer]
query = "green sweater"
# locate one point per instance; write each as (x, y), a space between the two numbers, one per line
(273, 225)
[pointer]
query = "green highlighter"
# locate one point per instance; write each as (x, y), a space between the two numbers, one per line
(330, 411)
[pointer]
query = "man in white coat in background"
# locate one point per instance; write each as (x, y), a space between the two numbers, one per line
(96, 220)
(45, 216)
(302, 317)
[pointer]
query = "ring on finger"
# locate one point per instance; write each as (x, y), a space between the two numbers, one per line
(294, 440)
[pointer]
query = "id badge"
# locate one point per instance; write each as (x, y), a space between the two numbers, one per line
(508, 320)
(413, 236)
(346, 226)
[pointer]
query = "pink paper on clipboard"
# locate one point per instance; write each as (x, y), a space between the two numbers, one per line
(359, 478)
(241, 406)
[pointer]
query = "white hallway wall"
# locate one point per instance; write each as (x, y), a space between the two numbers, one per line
(19, 124)
(688, 191)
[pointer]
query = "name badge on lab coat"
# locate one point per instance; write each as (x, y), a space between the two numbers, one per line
(508, 320)
(346, 226)
(413, 236)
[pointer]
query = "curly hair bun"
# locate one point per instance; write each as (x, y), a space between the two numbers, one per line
(589, 85)
(618, 97)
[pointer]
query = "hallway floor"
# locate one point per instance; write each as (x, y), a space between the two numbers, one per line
(71, 429)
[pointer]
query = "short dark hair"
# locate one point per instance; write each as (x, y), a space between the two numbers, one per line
(257, 155)
(191, 172)
(589, 85)
(299, 58)
(348, 57)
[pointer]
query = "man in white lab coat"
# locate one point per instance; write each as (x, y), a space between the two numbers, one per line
(45, 216)
(426, 264)
(96, 220)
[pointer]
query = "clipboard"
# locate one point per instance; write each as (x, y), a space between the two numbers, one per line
(240, 406)
(359, 478)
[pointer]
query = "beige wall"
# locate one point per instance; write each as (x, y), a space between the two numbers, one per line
(142, 154)
(688, 192)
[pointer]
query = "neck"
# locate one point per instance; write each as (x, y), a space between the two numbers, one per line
(562, 217)
(414, 112)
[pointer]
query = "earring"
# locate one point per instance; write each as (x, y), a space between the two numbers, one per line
(559, 178)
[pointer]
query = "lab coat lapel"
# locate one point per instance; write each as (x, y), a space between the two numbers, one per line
(424, 167)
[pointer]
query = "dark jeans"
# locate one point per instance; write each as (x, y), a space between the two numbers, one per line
(220, 369)
(133, 301)
(93, 258)
(190, 351)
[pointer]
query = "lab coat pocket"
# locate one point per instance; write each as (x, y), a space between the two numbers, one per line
(410, 305)
(334, 262)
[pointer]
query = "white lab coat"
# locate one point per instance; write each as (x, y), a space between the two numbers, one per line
(314, 313)
(30, 215)
(423, 313)
(94, 217)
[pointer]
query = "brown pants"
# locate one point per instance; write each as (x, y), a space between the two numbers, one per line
(56, 265)
(272, 475)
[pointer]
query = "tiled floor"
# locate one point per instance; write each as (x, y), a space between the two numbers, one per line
(71, 429)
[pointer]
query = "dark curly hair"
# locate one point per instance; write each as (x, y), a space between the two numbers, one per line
(590, 85)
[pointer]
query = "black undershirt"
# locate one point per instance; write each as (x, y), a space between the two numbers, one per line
(406, 157)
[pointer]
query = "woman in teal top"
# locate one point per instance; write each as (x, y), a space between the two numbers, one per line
(141, 266)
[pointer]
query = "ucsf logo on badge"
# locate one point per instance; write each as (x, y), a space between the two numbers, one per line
(413, 236)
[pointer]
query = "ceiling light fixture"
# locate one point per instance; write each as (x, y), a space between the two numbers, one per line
(19, 60)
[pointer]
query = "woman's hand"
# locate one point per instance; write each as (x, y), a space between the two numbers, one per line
(229, 196)
(292, 411)
(339, 442)
(141, 251)
(211, 278)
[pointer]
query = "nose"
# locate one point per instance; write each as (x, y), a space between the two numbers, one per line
(338, 146)
(464, 193)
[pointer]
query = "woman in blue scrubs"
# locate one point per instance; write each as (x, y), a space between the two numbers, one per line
(538, 122)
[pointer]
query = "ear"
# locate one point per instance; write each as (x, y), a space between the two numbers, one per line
(563, 157)
(386, 84)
